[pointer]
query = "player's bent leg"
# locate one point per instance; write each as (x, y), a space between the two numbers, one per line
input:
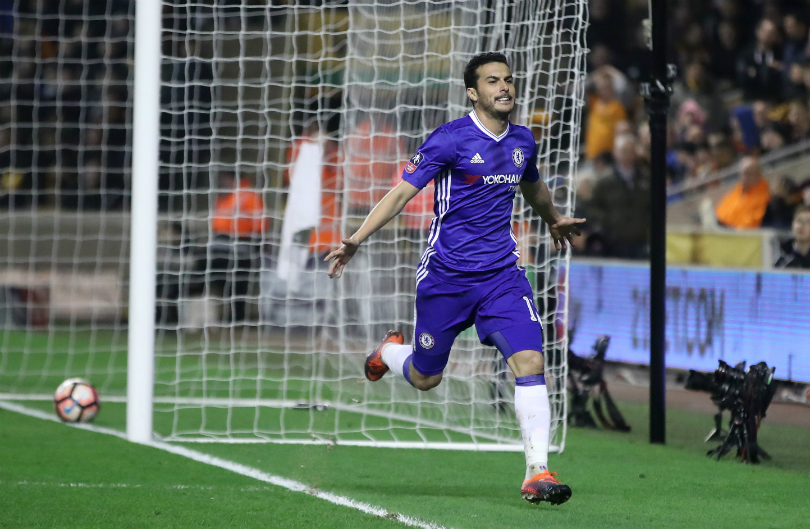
(423, 382)
(524, 363)
(393, 355)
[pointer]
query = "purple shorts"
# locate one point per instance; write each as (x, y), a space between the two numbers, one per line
(501, 307)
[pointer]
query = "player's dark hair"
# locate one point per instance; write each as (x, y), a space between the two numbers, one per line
(471, 70)
(801, 208)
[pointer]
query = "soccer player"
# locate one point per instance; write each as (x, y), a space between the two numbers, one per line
(468, 273)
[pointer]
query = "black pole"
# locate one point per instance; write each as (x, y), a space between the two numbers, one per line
(657, 98)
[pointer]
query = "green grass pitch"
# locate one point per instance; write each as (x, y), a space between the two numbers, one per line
(618, 481)
(53, 476)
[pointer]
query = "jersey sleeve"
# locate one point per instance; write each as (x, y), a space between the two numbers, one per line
(531, 174)
(437, 154)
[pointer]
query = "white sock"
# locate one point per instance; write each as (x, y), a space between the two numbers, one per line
(534, 416)
(394, 355)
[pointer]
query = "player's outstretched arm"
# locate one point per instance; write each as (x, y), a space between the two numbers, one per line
(388, 208)
(561, 228)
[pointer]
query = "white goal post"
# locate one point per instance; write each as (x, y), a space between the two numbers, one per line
(245, 339)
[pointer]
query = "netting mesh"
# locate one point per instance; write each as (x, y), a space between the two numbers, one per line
(65, 158)
(254, 341)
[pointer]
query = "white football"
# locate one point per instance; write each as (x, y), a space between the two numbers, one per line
(76, 400)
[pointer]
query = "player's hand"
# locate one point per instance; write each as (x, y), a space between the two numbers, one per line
(564, 229)
(341, 256)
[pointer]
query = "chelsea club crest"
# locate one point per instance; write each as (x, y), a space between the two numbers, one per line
(426, 340)
(517, 157)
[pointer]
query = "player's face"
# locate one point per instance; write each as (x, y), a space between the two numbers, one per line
(495, 94)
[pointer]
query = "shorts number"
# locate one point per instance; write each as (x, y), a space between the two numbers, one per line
(532, 312)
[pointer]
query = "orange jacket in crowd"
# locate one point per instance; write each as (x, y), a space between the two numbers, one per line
(239, 213)
(373, 154)
(327, 236)
(744, 209)
(418, 212)
(602, 120)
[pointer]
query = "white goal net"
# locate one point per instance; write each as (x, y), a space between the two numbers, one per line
(310, 110)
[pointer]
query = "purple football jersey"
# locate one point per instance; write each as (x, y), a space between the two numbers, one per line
(476, 176)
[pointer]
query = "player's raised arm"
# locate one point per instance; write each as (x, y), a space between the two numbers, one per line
(388, 208)
(560, 227)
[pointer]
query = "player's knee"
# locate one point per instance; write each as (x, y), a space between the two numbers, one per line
(526, 363)
(425, 383)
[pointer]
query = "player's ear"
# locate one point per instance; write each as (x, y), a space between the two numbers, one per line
(472, 93)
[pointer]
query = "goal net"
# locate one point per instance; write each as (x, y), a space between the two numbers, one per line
(311, 112)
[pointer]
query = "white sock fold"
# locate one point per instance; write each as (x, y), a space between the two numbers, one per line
(394, 355)
(534, 416)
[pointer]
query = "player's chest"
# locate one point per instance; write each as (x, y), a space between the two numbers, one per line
(491, 164)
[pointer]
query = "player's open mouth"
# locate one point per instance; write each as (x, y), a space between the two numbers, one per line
(503, 99)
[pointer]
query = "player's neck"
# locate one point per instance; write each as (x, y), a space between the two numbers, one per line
(495, 125)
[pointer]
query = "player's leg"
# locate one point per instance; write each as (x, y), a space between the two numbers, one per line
(442, 311)
(509, 321)
(393, 355)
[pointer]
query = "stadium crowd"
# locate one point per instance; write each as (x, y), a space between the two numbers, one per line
(64, 103)
(743, 88)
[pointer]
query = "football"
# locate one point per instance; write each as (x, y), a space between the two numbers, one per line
(76, 400)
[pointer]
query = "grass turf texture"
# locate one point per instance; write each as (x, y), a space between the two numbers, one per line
(128, 485)
(36, 362)
(618, 480)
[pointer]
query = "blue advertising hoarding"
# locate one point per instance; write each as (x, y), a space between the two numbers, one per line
(712, 315)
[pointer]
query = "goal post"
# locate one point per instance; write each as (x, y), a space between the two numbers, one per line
(144, 223)
(367, 81)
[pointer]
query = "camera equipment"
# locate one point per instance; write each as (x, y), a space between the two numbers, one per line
(747, 395)
(585, 380)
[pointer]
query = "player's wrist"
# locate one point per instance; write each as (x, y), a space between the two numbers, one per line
(553, 217)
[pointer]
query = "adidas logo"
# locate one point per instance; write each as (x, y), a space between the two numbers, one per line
(477, 159)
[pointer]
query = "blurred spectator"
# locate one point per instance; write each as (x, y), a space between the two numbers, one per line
(238, 222)
(744, 206)
(619, 209)
(644, 143)
(606, 21)
(604, 112)
(759, 68)
(59, 60)
(724, 54)
(698, 86)
(721, 150)
(772, 140)
(373, 151)
(793, 52)
(794, 87)
(417, 214)
(239, 209)
(326, 237)
(785, 196)
(690, 120)
(795, 253)
(798, 121)
(745, 132)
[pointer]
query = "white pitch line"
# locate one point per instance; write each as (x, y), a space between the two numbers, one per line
(102, 485)
(244, 470)
(79, 485)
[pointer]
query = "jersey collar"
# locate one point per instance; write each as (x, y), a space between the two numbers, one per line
(486, 131)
